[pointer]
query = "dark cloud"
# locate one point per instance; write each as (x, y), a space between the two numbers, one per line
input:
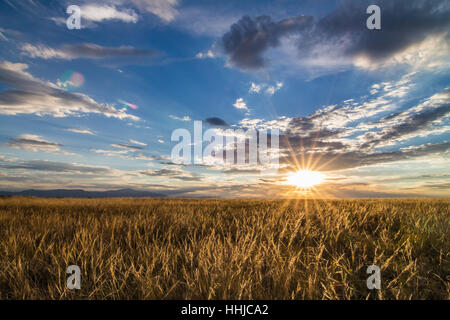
(174, 174)
(214, 121)
(342, 34)
(414, 123)
(30, 142)
(241, 171)
(161, 172)
(403, 23)
(338, 160)
(438, 186)
(249, 38)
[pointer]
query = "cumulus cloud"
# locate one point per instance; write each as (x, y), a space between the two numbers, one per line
(412, 31)
(266, 88)
(240, 104)
(30, 95)
(204, 55)
(249, 38)
(84, 50)
(272, 89)
(255, 88)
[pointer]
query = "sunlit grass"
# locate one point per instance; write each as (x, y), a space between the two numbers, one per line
(224, 249)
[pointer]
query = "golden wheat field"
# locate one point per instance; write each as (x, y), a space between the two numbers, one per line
(224, 249)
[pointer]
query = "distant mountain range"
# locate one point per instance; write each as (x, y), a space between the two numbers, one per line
(78, 193)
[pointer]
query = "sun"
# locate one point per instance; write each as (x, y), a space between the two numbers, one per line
(305, 178)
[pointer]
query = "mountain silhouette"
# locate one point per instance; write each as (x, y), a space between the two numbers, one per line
(79, 193)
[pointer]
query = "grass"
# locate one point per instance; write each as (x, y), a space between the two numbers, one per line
(224, 249)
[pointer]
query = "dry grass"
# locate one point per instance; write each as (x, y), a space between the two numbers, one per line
(224, 249)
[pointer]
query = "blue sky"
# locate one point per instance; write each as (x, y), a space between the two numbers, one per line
(367, 108)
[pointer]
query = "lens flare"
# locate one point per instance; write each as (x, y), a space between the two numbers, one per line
(71, 80)
(127, 104)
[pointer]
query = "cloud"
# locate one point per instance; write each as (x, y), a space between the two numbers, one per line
(5, 33)
(112, 153)
(413, 32)
(84, 50)
(33, 142)
(164, 9)
(255, 88)
(114, 10)
(241, 171)
(82, 131)
(2, 36)
(30, 95)
(240, 104)
(249, 38)
(99, 13)
(185, 118)
(205, 55)
(210, 19)
(52, 166)
(126, 146)
(268, 89)
(214, 121)
(153, 158)
(421, 120)
(137, 142)
(174, 174)
(351, 134)
(272, 89)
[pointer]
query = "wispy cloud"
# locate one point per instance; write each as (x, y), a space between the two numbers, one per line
(348, 135)
(164, 9)
(52, 166)
(185, 118)
(137, 142)
(173, 174)
(30, 95)
(33, 142)
(82, 131)
(126, 146)
(84, 50)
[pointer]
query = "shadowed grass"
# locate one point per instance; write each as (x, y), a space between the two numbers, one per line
(224, 249)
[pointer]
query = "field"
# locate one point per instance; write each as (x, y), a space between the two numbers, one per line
(224, 249)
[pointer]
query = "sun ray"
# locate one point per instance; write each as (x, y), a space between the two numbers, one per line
(305, 178)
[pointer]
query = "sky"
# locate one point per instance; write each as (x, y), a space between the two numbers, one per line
(95, 108)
